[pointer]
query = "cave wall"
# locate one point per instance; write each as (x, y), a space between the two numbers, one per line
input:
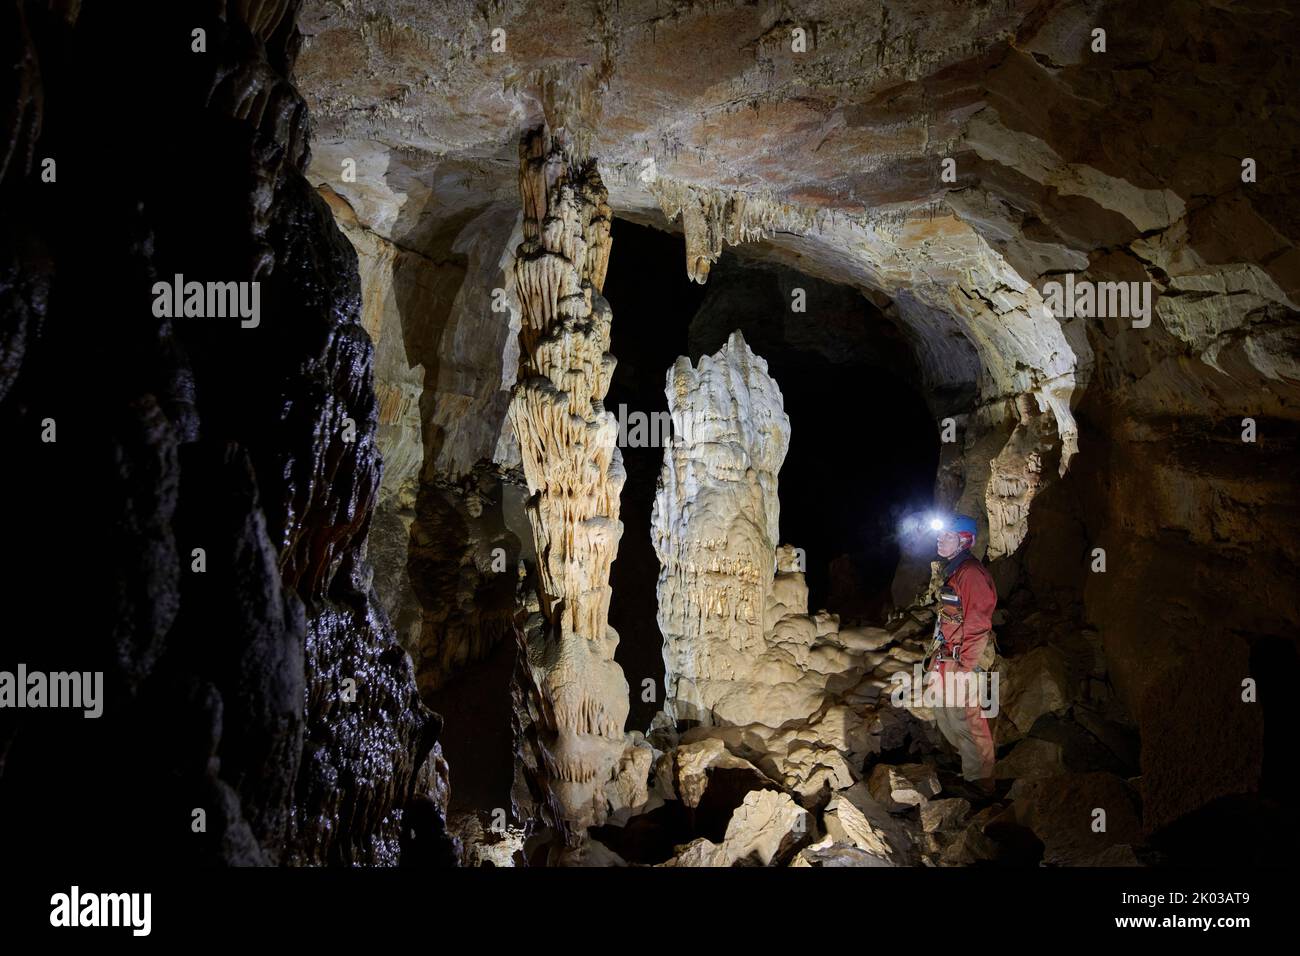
(224, 679)
(445, 322)
(1198, 548)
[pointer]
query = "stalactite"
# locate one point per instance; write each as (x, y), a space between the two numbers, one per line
(712, 217)
(1016, 476)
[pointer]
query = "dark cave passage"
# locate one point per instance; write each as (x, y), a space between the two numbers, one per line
(653, 302)
(844, 512)
(863, 446)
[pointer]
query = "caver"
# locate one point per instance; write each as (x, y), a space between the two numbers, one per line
(965, 618)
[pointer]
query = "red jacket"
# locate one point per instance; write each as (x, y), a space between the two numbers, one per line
(979, 596)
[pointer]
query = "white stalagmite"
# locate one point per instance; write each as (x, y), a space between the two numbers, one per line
(715, 529)
(574, 471)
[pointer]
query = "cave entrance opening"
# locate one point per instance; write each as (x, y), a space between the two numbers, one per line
(864, 448)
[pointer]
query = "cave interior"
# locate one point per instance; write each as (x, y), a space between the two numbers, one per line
(560, 492)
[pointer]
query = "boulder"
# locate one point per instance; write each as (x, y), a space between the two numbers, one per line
(864, 638)
(831, 853)
(948, 814)
(899, 787)
(765, 829)
(695, 760)
(1034, 684)
(630, 786)
(854, 817)
(1066, 813)
(1031, 758)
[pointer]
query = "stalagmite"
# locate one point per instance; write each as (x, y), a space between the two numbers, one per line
(575, 473)
(729, 654)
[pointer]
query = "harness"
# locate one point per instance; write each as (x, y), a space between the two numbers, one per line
(939, 649)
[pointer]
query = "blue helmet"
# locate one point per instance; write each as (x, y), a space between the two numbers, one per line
(961, 524)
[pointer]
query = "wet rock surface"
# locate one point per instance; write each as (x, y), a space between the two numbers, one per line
(255, 680)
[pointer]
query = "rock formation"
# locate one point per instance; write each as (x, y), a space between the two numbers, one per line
(1016, 475)
(258, 709)
(574, 471)
(789, 703)
(445, 326)
(714, 528)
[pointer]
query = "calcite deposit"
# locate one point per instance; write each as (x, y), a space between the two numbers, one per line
(715, 529)
(574, 472)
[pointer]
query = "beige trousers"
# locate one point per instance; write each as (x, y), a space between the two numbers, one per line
(968, 731)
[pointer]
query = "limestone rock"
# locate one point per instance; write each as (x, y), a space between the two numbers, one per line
(695, 760)
(864, 638)
(1063, 812)
(739, 644)
(1033, 685)
(968, 847)
(1030, 758)
(809, 768)
(900, 787)
(714, 527)
(700, 852)
(830, 852)
(765, 829)
(855, 817)
(946, 814)
(484, 845)
(847, 730)
(1016, 476)
(629, 788)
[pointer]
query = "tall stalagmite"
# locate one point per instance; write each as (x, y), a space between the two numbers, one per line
(578, 700)
(715, 526)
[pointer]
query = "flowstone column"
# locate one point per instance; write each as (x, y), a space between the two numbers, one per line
(578, 698)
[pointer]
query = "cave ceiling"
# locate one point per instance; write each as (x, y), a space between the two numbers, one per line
(830, 159)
